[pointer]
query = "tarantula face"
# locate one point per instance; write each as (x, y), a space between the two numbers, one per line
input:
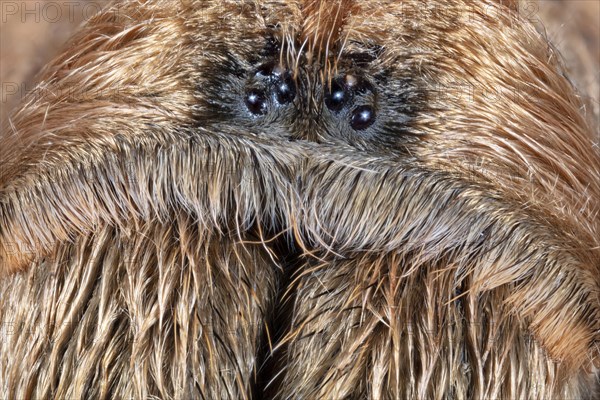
(234, 199)
(316, 73)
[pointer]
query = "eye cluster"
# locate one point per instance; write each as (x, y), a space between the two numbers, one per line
(341, 95)
(274, 85)
(348, 97)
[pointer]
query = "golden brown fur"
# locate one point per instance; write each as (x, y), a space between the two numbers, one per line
(157, 241)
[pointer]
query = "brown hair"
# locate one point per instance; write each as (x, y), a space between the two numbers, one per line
(157, 239)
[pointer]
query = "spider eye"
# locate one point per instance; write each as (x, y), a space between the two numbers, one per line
(285, 91)
(362, 118)
(256, 101)
(337, 96)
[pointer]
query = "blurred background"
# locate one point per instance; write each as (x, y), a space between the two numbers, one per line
(34, 31)
(574, 27)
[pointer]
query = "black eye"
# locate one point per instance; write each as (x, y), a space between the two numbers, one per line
(362, 118)
(256, 101)
(285, 90)
(277, 80)
(337, 97)
(285, 93)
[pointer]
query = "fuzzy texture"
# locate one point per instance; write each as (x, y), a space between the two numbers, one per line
(158, 240)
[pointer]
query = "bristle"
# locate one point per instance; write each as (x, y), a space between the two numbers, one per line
(161, 238)
(323, 24)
